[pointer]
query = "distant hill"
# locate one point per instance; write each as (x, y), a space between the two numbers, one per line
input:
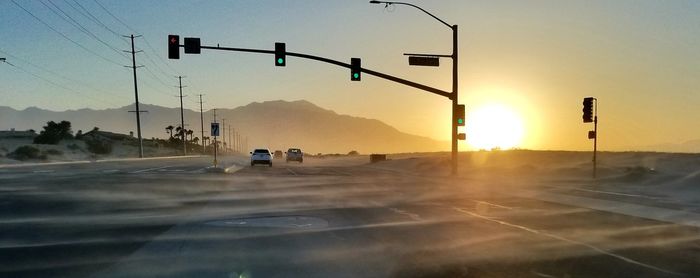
(273, 124)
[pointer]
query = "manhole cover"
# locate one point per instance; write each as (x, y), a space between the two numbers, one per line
(293, 221)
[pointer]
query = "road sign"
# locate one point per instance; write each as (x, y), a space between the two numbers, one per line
(423, 61)
(214, 129)
(591, 134)
(193, 46)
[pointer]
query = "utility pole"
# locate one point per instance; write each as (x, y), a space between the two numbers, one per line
(215, 146)
(182, 119)
(235, 141)
(136, 94)
(201, 121)
(229, 137)
(223, 131)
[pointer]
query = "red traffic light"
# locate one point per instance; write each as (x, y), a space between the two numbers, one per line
(173, 47)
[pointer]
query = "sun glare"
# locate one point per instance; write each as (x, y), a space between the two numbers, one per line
(494, 126)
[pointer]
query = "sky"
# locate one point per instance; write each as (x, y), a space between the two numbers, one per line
(534, 59)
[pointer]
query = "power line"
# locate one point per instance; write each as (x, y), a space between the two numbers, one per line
(66, 37)
(93, 18)
(57, 85)
(67, 18)
(58, 74)
(148, 44)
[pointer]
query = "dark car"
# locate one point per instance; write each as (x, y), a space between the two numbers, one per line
(295, 155)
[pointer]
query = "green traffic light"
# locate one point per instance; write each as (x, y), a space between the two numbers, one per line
(280, 60)
(460, 121)
(356, 75)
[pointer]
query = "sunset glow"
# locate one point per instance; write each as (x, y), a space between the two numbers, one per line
(494, 126)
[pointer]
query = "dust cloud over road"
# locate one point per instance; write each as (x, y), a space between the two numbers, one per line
(343, 217)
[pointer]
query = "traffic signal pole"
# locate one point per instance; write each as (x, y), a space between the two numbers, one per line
(338, 63)
(595, 139)
(173, 41)
(455, 98)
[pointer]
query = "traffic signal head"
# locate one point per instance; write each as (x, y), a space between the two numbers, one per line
(355, 69)
(280, 54)
(173, 47)
(588, 110)
(460, 115)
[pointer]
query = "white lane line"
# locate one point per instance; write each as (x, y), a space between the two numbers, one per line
(413, 216)
(594, 248)
(110, 171)
(340, 173)
(616, 193)
(493, 205)
(290, 170)
(149, 169)
(43, 171)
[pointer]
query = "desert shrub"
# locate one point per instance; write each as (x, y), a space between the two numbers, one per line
(25, 153)
(353, 153)
(53, 152)
(54, 132)
(73, 147)
(97, 146)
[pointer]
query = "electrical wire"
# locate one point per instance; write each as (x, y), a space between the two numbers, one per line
(67, 18)
(57, 74)
(58, 85)
(65, 36)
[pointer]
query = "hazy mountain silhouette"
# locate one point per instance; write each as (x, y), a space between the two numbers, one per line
(273, 124)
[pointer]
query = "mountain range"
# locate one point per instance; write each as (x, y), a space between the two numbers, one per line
(272, 124)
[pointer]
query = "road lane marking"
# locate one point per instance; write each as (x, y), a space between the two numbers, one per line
(413, 216)
(110, 171)
(493, 205)
(616, 193)
(149, 169)
(43, 171)
(290, 170)
(543, 233)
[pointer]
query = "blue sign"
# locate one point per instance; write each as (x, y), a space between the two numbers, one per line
(214, 129)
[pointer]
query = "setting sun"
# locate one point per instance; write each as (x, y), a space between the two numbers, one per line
(494, 126)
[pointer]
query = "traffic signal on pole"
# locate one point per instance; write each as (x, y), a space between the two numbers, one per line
(460, 115)
(280, 54)
(588, 110)
(173, 47)
(355, 69)
(193, 46)
(461, 136)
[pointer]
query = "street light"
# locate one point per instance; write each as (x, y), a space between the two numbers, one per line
(455, 93)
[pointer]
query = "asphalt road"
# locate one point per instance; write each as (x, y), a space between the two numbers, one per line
(323, 218)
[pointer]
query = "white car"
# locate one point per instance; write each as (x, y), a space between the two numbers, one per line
(261, 156)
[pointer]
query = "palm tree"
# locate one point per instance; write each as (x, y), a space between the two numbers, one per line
(190, 133)
(195, 140)
(169, 130)
(178, 131)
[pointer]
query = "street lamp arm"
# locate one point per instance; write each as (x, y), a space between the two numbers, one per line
(409, 4)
